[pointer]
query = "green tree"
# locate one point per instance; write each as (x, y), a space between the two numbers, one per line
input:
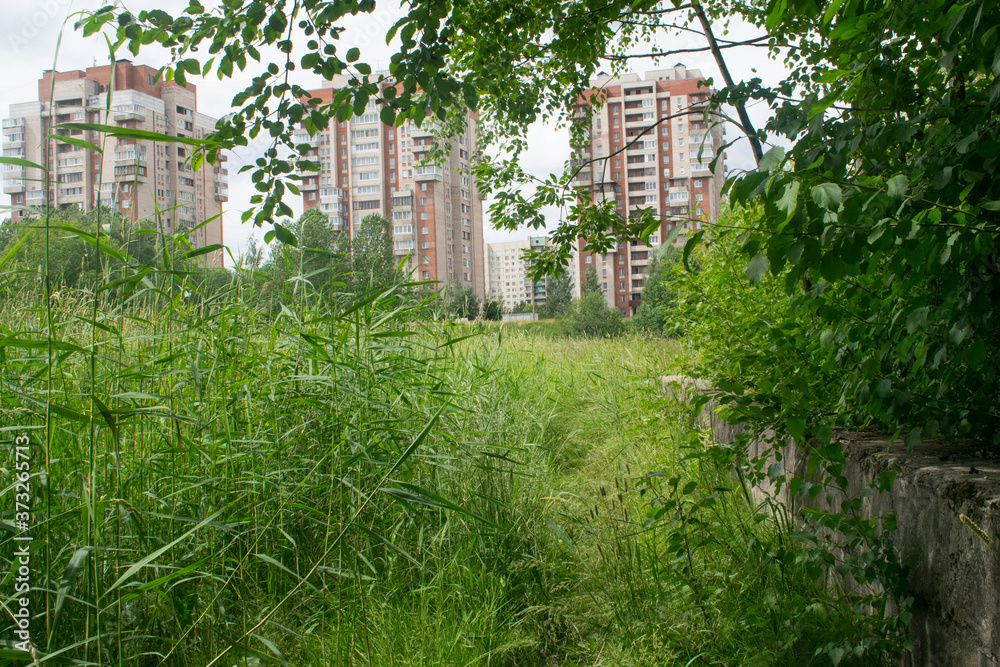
(463, 302)
(558, 295)
(317, 266)
(658, 294)
(590, 315)
(372, 260)
(493, 309)
(591, 283)
(73, 258)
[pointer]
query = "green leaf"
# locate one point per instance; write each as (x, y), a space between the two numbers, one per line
(831, 11)
(73, 141)
(789, 200)
(827, 195)
(943, 178)
(757, 268)
(135, 567)
(65, 586)
(388, 115)
(796, 427)
(353, 54)
(127, 133)
(913, 438)
(271, 561)
(772, 159)
(898, 185)
(776, 14)
(284, 235)
(916, 319)
(18, 162)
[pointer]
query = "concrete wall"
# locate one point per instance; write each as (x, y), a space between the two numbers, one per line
(956, 584)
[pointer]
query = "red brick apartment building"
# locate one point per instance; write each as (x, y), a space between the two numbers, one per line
(650, 147)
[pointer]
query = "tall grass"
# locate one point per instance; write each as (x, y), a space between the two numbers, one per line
(351, 483)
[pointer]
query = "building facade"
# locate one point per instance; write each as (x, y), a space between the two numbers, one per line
(507, 274)
(650, 146)
(143, 179)
(369, 167)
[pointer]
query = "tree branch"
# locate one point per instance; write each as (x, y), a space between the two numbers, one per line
(749, 42)
(741, 109)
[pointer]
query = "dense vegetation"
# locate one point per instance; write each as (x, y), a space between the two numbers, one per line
(881, 217)
(351, 482)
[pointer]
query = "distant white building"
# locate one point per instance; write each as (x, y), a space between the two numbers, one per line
(507, 273)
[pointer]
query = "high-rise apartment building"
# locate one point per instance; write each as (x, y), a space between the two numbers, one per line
(650, 148)
(137, 177)
(369, 167)
(507, 275)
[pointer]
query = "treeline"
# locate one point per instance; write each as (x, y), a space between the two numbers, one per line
(321, 267)
(592, 316)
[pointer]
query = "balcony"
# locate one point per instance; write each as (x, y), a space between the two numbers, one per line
(632, 122)
(427, 130)
(700, 168)
(130, 157)
(15, 173)
(13, 141)
(10, 186)
(679, 197)
(221, 193)
(132, 173)
(305, 138)
(640, 147)
(125, 115)
(427, 173)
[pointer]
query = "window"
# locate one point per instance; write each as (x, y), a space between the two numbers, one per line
(423, 216)
(423, 201)
(697, 182)
(423, 230)
(425, 245)
(666, 159)
(424, 259)
(423, 186)
(426, 275)
(588, 260)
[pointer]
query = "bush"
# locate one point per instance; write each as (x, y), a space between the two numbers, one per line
(590, 315)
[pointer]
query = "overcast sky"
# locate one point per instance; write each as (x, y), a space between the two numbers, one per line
(30, 32)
